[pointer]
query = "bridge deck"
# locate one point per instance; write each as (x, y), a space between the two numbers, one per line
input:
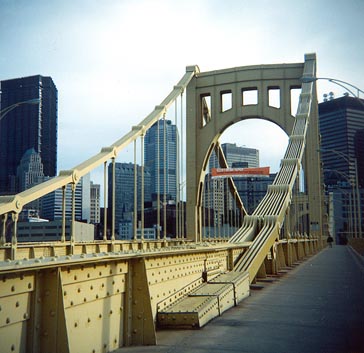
(316, 307)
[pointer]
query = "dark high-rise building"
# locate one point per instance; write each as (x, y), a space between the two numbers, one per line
(27, 126)
(342, 142)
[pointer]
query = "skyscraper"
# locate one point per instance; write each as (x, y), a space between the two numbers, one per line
(94, 203)
(342, 141)
(52, 202)
(237, 156)
(30, 170)
(162, 162)
(124, 190)
(27, 126)
(342, 129)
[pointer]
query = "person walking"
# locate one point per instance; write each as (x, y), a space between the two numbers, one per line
(330, 240)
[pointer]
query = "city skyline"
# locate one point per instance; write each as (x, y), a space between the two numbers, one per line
(28, 126)
(96, 56)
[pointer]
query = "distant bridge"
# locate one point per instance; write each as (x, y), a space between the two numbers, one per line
(70, 296)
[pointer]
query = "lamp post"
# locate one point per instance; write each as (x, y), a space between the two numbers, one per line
(355, 164)
(4, 112)
(15, 105)
(341, 83)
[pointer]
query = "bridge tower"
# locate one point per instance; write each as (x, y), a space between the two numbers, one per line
(207, 118)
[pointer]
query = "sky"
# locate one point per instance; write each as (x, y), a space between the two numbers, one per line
(113, 61)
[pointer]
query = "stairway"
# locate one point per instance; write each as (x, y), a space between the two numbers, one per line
(205, 302)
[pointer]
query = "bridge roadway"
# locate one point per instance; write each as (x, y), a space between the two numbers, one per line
(315, 307)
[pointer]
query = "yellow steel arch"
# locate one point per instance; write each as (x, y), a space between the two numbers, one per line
(207, 119)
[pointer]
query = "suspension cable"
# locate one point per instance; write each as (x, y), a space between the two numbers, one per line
(105, 202)
(209, 208)
(113, 200)
(164, 178)
(182, 208)
(135, 195)
(177, 169)
(63, 235)
(158, 184)
(142, 186)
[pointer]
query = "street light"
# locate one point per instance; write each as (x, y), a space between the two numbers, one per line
(346, 158)
(15, 105)
(341, 83)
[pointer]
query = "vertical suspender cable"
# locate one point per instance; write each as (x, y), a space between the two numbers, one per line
(210, 208)
(182, 233)
(158, 184)
(177, 169)
(135, 196)
(73, 212)
(203, 209)
(142, 185)
(14, 238)
(105, 202)
(164, 178)
(63, 235)
(219, 198)
(113, 199)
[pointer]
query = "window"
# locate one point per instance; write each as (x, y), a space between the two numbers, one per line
(226, 98)
(250, 96)
(274, 97)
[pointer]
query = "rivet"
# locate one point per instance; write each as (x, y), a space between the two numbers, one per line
(12, 288)
(7, 320)
(17, 304)
(12, 348)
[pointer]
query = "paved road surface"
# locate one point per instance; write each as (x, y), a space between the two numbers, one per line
(317, 306)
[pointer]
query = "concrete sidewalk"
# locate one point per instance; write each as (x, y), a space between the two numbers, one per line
(317, 306)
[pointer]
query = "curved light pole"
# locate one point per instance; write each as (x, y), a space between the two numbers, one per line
(4, 112)
(341, 83)
(355, 164)
(15, 105)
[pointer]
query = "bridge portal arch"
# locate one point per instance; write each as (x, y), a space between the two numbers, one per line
(218, 99)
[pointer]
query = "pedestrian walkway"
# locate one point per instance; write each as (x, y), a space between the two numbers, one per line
(317, 306)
